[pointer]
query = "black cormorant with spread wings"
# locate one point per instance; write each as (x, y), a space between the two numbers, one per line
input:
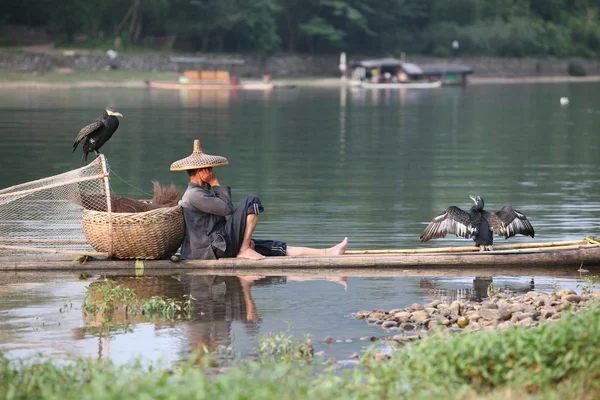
(98, 132)
(478, 224)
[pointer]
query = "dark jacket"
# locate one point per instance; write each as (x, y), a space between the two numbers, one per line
(204, 211)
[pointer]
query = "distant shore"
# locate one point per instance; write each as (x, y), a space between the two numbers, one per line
(48, 83)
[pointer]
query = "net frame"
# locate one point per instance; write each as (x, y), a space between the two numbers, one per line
(45, 215)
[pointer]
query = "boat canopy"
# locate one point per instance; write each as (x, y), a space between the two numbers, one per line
(431, 69)
(379, 62)
(413, 69)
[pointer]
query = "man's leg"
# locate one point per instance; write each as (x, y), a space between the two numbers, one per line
(239, 228)
(246, 251)
(336, 250)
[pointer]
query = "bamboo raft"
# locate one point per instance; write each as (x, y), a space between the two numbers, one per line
(566, 254)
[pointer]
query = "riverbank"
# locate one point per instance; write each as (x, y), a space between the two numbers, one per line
(556, 361)
(501, 311)
(66, 79)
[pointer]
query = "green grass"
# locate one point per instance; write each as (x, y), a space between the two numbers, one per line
(82, 76)
(556, 361)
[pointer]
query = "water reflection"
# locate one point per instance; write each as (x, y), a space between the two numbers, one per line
(44, 311)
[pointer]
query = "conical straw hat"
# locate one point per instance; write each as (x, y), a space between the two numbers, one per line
(198, 159)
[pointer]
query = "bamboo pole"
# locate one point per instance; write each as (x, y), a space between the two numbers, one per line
(468, 248)
(54, 251)
(56, 241)
(108, 204)
(63, 183)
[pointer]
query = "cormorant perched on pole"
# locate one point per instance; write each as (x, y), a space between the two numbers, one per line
(478, 224)
(98, 132)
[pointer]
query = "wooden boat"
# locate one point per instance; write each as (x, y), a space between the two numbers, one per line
(567, 254)
(390, 73)
(210, 86)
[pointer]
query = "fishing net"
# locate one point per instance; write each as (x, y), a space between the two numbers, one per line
(75, 213)
(44, 217)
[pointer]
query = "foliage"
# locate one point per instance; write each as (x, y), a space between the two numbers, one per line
(515, 28)
(169, 308)
(106, 297)
(558, 360)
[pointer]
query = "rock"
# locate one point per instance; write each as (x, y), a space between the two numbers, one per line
(505, 315)
(539, 303)
(595, 295)
(328, 340)
(445, 312)
(489, 314)
(556, 316)
(455, 307)
(360, 316)
(379, 322)
(381, 357)
(474, 316)
(572, 298)
(431, 310)
(320, 353)
(547, 313)
(399, 338)
(489, 305)
(527, 322)
(376, 315)
(368, 338)
(372, 320)
(474, 326)
(462, 322)
(402, 316)
(394, 311)
(532, 294)
(420, 317)
(564, 292)
(505, 325)
(389, 324)
(407, 326)
(503, 304)
(517, 316)
(355, 355)
(416, 307)
(434, 304)
(432, 324)
(446, 322)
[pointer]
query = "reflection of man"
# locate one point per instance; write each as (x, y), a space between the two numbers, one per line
(220, 300)
(210, 235)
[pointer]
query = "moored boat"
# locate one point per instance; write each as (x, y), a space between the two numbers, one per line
(389, 73)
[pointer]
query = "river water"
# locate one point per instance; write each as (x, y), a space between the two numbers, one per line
(373, 165)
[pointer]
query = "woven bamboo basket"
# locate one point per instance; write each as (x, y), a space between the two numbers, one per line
(144, 235)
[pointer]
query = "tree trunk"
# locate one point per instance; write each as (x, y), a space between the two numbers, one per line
(134, 19)
(138, 29)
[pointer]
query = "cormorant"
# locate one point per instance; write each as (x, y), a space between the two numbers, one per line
(478, 224)
(98, 132)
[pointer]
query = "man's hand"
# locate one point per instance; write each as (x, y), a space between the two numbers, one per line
(208, 176)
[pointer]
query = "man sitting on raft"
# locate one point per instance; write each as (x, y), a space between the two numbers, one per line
(210, 235)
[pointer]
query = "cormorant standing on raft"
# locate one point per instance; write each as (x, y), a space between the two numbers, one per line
(478, 224)
(98, 132)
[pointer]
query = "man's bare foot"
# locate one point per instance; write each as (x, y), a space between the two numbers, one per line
(338, 249)
(250, 254)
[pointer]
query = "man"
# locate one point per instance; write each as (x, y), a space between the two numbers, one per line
(209, 234)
